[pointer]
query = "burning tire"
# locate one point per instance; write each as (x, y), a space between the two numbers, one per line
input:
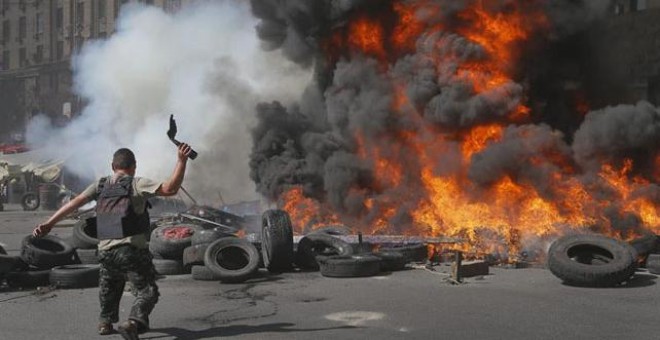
(653, 263)
(84, 234)
(75, 276)
(644, 245)
(412, 252)
(232, 260)
(276, 240)
(170, 241)
(349, 266)
(46, 252)
(316, 244)
(591, 260)
(30, 201)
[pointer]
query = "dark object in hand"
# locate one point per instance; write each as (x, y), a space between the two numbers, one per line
(171, 133)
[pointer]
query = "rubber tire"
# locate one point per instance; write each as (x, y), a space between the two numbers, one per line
(84, 234)
(171, 249)
(202, 273)
(240, 261)
(412, 252)
(30, 201)
(168, 267)
(194, 255)
(315, 244)
(207, 236)
(3, 251)
(75, 276)
(87, 256)
(334, 230)
(653, 264)
(35, 252)
(645, 244)
(350, 266)
(277, 241)
(28, 279)
(391, 261)
(7, 263)
(619, 269)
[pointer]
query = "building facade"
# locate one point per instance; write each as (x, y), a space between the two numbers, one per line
(37, 40)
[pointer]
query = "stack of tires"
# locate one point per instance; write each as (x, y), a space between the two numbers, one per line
(217, 257)
(322, 250)
(50, 261)
(167, 245)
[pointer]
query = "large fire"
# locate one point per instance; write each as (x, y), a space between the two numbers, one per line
(509, 209)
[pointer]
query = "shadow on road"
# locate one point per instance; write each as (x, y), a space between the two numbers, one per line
(640, 280)
(215, 332)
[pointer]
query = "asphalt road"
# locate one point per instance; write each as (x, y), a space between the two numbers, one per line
(412, 304)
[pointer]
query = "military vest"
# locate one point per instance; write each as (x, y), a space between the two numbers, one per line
(115, 216)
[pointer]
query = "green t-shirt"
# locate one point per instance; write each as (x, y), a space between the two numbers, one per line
(143, 189)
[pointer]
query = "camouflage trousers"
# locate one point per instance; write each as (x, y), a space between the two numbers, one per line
(121, 263)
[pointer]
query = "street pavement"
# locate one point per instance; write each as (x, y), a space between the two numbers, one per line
(412, 304)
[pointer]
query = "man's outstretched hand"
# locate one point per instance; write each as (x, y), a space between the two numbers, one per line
(42, 230)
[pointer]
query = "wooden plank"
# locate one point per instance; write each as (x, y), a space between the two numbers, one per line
(470, 269)
(393, 239)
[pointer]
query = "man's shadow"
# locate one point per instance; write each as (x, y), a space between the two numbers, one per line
(216, 332)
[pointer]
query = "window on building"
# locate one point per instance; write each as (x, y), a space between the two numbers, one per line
(39, 54)
(101, 9)
(22, 29)
(54, 82)
(6, 30)
(79, 41)
(21, 5)
(618, 9)
(59, 18)
(5, 60)
(80, 13)
(60, 50)
(5, 5)
(39, 23)
(22, 57)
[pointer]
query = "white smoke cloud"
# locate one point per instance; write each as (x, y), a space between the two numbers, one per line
(203, 64)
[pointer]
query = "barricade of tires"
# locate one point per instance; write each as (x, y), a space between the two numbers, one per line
(168, 244)
(47, 261)
(322, 250)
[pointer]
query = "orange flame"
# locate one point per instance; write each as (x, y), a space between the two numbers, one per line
(404, 164)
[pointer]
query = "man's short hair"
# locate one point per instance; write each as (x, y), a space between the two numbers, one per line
(123, 159)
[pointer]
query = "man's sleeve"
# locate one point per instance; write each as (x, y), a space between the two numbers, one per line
(147, 187)
(91, 191)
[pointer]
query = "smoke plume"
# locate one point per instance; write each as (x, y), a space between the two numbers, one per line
(204, 64)
(452, 113)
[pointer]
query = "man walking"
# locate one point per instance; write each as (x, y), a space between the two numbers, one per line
(122, 227)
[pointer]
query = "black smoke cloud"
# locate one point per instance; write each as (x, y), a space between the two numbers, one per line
(313, 144)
